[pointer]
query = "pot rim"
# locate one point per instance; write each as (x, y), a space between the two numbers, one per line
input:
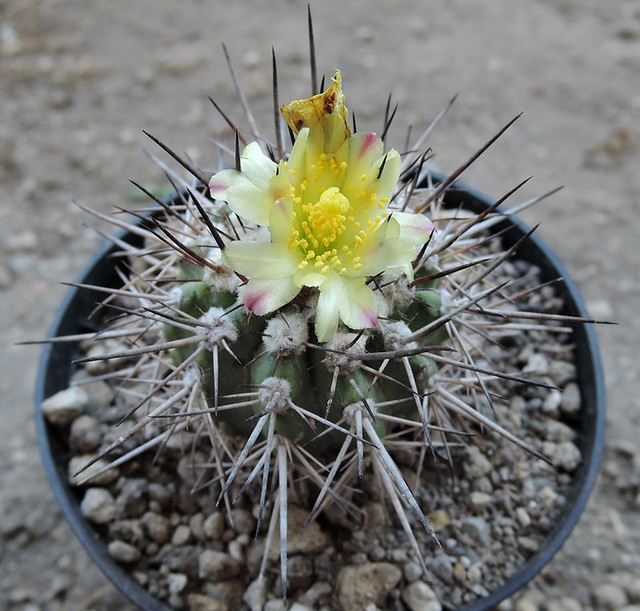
(54, 373)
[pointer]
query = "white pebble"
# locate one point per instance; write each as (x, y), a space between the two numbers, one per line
(123, 552)
(65, 406)
(98, 505)
(609, 596)
(571, 400)
(564, 455)
(420, 597)
(523, 517)
(176, 582)
(256, 594)
(181, 535)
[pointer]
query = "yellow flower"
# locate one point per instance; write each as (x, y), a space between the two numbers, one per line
(327, 211)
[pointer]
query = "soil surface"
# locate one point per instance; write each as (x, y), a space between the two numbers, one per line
(79, 80)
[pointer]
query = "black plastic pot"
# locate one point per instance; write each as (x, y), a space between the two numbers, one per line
(73, 317)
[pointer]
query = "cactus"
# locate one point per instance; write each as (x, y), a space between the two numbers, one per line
(310, 314)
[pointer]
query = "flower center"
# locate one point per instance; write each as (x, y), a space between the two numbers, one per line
(326, 217)
(320, 224)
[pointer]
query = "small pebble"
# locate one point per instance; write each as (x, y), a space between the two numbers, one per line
(372, 582)
(459, 572)
(609, 596)
(412, 571)
(418, 596)
(571, 400)
(564, 455)
(538, 364)
(528, 602)
(523, 517)
(85, 434)
(319, 590)
(256, 594)
(88, 475)
(202, 602)
(480, 500)
(65, 406)
(196, 526)
(566, 604)
(217, 566)
(302, 539)
(243, 521)
(156, 526)
(176, 582)
(476, 464)
(558, 431)
(442, 566)
(123, 551)
(552, 401)
(478, 529)
(98, 505)
(181, 535)
(25, 241)
(562, 372)
(99, 366)
(528, 544)
(214, 525)
(132, 498)
(439, 519)
(236, 550)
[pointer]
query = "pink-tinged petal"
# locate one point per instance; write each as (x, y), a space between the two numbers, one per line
(221, 181)
(346, 299)
(246, 192)
(367, 144)
(260, 260)
(364, 148)
(264, 296)
(366, 151)
(414, 227)
(359, 311)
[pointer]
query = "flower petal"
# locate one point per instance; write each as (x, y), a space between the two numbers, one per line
(246, 192)
(221, 181)
(327, 313)
(385, 250)
(387, 180)
(260, 260)
(299, 149)
(259, 168)
(349, 299)
(280, 220)
(325, 111)
(414, 227)
(264, 296)
(359, 310)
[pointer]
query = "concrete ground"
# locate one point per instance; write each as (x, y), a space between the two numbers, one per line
(80, 79)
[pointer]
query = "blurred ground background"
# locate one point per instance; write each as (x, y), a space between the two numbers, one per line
(80, 79)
